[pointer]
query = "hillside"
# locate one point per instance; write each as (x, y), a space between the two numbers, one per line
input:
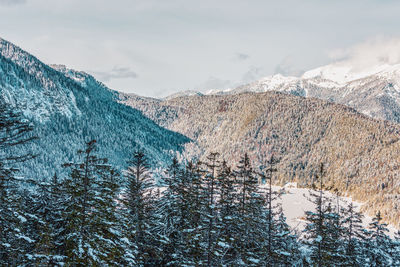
(360, 153)
(68, 108)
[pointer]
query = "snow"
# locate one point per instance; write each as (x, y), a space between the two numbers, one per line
(29, 240)
(341, 73)
(295, 203)
(223, 244)
(22, 218)
(256, 261)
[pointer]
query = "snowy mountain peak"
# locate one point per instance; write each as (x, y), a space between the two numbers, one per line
(341, 73)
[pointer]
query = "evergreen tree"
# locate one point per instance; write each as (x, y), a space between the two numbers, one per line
(210, 194)
(379, 242)
(197, 203)
(284, 245)
(396, 249)
(352, 236)
(92, 236)
(271, 257)
(322, 231)
(251, 230)
(173, 213)
(139, 203)
(228, 216)
(14, 132)
(48, 209)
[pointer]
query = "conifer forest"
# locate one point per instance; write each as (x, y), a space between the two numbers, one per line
(209, 213)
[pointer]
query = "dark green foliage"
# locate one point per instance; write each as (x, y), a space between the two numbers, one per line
(14, 133)
(93, 235)
(139, 207)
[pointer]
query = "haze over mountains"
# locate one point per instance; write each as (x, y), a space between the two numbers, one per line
(360, 152)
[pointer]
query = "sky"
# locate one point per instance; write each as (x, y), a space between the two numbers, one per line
(156, 48)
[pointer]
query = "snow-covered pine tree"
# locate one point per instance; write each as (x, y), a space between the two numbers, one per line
(396, 249)
(250, 236)
(173, 213)
(194, 234)
(14, 132)
(270, 196)
(351, 221)
(322, 231)
(210, 194)
(48, 206)
(92, 236)
(379, 243)
(139, 205)
(228, 216)
(285, 245)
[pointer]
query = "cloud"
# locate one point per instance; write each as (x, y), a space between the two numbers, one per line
(115, 73)
(12, 2)
(253, 74)
(241, 56)
(287, 67)
(369, 54)
(216, 83)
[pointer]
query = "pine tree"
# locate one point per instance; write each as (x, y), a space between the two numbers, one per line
(173, 213)
(396, 249)
(251, 223)
(139, 203)
(379, 243)
(92, 236)
(228, 216)
(271, 257)
(352, 235)
(322, 231)
(285, 247)
(210, 194)
(48, 208)
(197, 202)
(14, 132)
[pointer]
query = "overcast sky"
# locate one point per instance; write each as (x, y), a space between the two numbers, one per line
(156, 48)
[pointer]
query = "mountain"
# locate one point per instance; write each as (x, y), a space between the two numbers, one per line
(68, 107)
(374, 91)
(360, 153)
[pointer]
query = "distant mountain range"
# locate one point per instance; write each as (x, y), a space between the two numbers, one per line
(69, 107)
(374, 92)
(279, 115)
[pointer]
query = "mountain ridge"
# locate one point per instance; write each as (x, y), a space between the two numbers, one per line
(68, 107)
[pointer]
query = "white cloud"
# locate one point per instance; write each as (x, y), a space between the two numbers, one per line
(374, 52)
(253, 74)
(115, 73)
(287, 67)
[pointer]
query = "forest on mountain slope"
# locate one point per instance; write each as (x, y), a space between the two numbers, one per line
(206, 214)
(361, 154)
(66, 111)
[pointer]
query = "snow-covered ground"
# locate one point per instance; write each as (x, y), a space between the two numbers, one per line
(295, 203)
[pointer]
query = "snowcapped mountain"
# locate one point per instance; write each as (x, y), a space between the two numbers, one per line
(374, 91)
(70, 107)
